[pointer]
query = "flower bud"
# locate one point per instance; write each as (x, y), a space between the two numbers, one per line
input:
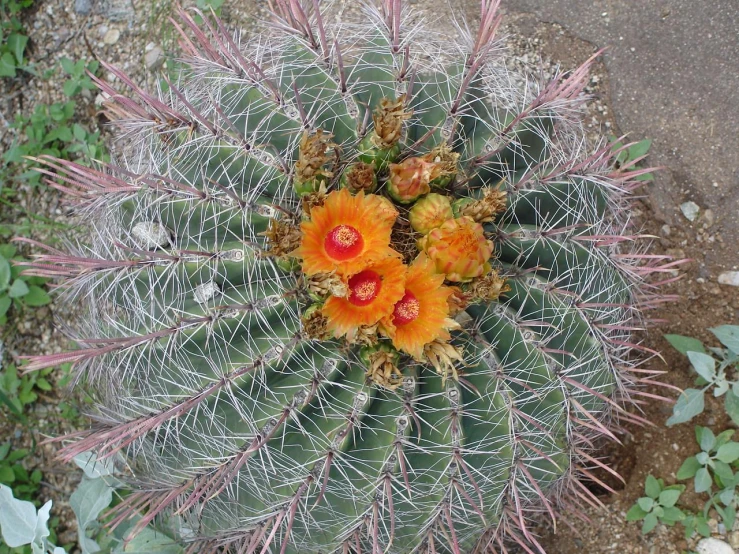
(459, 249)
(430, 212)
(410, 179)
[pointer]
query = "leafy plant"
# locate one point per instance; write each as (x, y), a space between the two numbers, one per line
(79, 78)
(297, 344)
(719, 370)
(18, 290)
(715, 465)
(658, 506)
(632, 154)
(18, 391)
(13, 39)
(13, 473)
(21, 524)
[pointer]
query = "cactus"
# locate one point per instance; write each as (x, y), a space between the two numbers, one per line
(280, 379)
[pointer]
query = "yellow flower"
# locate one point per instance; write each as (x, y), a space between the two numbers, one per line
(372, 295)
(421, 316)
(458, 249)
(430, 212)
(346, 234)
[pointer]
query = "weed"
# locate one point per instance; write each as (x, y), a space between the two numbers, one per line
(715, 367)
(658, 506)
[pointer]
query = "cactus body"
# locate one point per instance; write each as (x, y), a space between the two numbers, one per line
(259, 434)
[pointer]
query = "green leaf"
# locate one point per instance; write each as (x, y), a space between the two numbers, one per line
(71, 88)
(7, 65)
(150, 541)
(689, 404)
(88, 501)
(724, 437)
(639, 149)
(688, 469)
(685, 344)
(728, 335)
(7, 475)
(702, 480)
(727, 496)
(7, 251)
(18, 289)
(646, 504)
(67, 65)
(79, 132)
(731, 405)
(702, 526)
(652, 487)
(5, 303)
(668, 498)
(17, 45)
(704, 365)
(650, 522)
(635, 513)
(706, 438)
(723, 472)
(4, 274)
(36, 297)
(729, 516)
(728, 452)
(18, 519)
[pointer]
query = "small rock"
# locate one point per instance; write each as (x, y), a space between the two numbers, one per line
(713, 546)
(734, 539)
(729, 278)
(154, 58)
(721, 528)
(666, 230)
(690, 210)
(83, 7)
(708, 217)
(112, 36)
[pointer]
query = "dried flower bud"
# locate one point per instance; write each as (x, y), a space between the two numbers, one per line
(309, 171)
(360, 176)
(493, 202)
(446, 160)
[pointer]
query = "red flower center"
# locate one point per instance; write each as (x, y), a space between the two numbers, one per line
(364, 287)
(343, 243)
(407, 309)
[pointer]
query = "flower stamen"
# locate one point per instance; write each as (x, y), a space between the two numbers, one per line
(364, 287)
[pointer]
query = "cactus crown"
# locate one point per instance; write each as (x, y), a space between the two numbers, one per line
(350, 289)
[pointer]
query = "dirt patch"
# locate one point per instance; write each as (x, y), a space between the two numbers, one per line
(700, 303)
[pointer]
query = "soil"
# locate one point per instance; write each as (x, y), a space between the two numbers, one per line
(58, 30)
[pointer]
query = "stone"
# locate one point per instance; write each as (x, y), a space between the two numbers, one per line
(713, 546)
(729, 278)
(112, 36)
(690, 210)
(154, 58)
(83, 7)
(734, 539)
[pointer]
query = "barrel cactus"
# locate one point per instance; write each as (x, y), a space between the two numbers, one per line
(347, 287)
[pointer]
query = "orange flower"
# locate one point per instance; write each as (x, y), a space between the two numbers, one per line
(373, 293)
(459, 249)
(346, 234)
(421, 316)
